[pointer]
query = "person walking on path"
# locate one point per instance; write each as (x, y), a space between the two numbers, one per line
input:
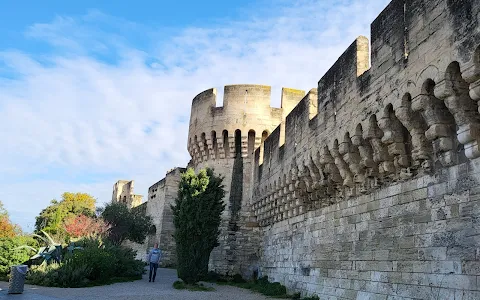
(154, 259)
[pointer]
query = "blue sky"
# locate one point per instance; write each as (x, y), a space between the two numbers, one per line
(92, 91)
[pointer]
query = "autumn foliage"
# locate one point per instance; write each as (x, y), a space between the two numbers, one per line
(7, 229)
(84, 226)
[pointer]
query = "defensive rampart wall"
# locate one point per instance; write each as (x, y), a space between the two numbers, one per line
(374, 192)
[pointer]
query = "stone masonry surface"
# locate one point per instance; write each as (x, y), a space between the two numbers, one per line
(366, 187)
(374, 194)
(160, 196)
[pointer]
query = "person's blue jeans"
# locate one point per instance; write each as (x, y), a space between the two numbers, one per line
(153, 267)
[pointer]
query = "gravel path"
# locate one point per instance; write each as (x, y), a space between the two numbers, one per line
(140, 289)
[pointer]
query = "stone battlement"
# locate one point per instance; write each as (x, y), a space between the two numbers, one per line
(413, 112)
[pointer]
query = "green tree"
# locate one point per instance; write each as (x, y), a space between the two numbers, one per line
(125, 224)
(72, 204)
(197, 216)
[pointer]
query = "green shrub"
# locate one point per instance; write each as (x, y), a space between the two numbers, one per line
(59, 275)
(100, 261)
(261, 285)
(269, 289)
(125, 262)
(10, 256)
(119, 260)
(97, 263)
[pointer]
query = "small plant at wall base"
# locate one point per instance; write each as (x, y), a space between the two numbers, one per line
(260, 285)
(196, 217)
(180, 285)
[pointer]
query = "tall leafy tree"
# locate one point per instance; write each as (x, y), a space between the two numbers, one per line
(126, 224)
(72, 204)
(197, 216)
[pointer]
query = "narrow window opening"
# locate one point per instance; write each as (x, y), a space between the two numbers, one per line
(238, 142)
(251, 142)
(226, 146)
(215, 144)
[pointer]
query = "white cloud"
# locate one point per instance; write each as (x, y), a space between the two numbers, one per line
(73, 111)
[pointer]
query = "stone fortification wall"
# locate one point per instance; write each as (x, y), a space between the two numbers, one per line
(160, 196)
(154, 208)
(374, 192)
(224, 138)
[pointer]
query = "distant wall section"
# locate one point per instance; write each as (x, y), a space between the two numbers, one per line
(161, 196)
(123, 192)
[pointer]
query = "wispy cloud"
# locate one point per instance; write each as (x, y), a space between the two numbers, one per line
(110, 99)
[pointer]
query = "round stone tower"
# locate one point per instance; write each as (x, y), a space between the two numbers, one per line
(225, 138)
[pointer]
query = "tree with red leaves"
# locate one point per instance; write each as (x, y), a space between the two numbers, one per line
(85, 226)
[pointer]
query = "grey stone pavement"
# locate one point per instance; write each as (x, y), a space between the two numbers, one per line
(140, 289)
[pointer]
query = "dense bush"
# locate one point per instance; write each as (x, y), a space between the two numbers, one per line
(101, 262)
(196, 216)
(98, 263)
(10, 256)
(59, 275)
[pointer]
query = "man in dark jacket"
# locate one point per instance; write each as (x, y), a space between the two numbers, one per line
(154, 259)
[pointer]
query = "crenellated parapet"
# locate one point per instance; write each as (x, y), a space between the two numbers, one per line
(240, 125)
(413, 112)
